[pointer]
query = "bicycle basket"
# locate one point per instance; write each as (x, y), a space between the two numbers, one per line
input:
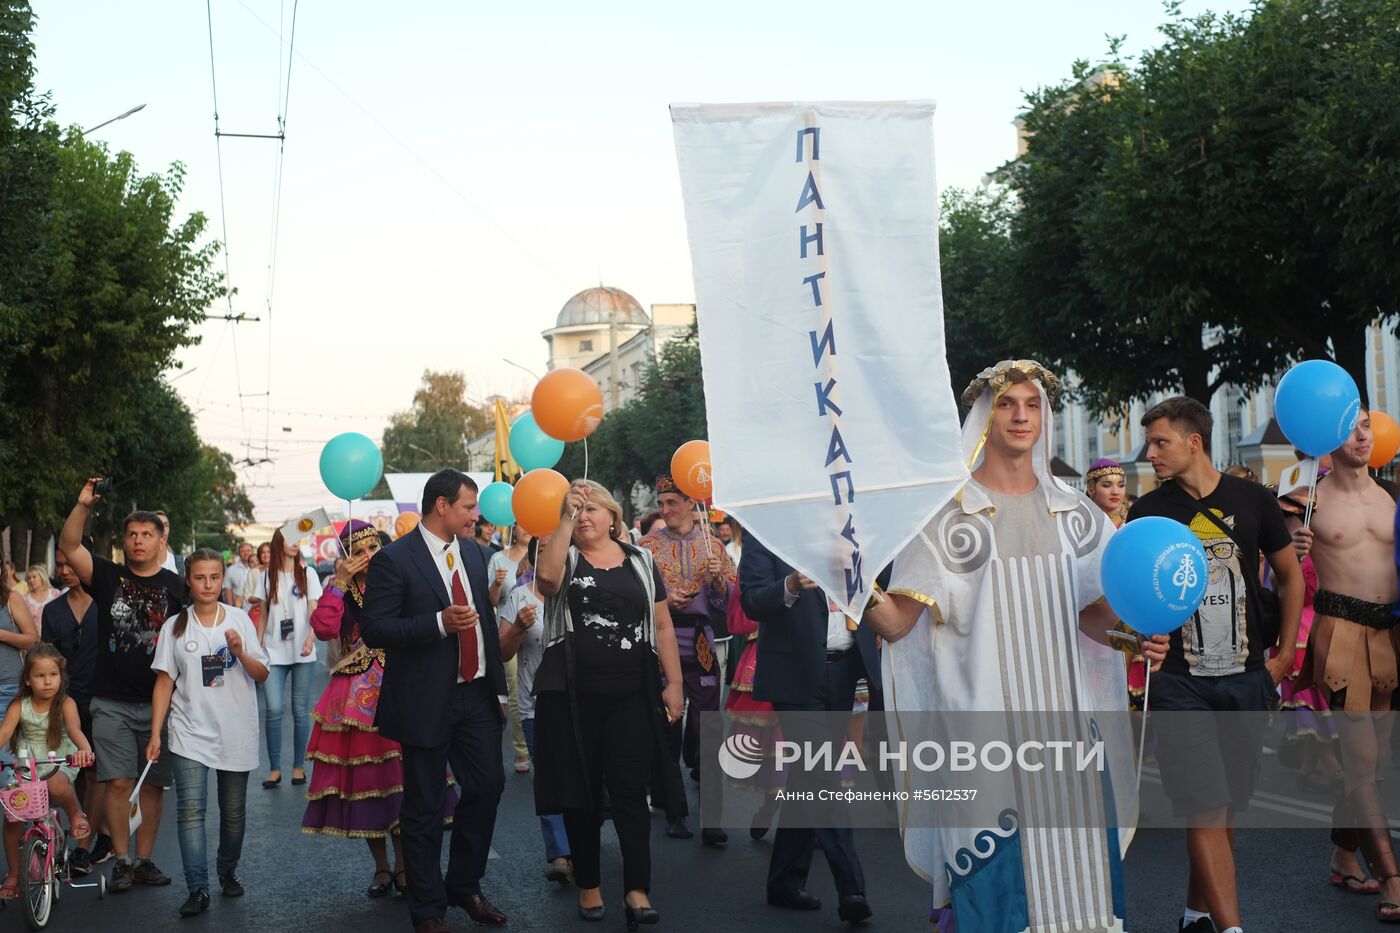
(29, 800)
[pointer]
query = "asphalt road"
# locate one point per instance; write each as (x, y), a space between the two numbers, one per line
(297, 882)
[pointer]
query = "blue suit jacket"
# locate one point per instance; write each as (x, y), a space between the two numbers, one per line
(403, 595)
(792, 641)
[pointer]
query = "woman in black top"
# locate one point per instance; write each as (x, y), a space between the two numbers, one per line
(600, 710)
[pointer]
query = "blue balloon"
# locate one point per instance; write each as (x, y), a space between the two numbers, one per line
(1317, 405)
(351, 465)
(531, 448)
(1154, 574)
(494, 501)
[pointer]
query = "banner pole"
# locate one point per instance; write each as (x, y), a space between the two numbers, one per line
(1142, 739)
(1312, 493)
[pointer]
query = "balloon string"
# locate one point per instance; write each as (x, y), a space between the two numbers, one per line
(585, 458)
(704, 528)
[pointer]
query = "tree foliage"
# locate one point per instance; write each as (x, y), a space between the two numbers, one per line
(160, 462)
(433, 433)
(1222, 206)
(100, 286)
(975, 253)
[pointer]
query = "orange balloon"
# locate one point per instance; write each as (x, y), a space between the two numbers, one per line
(537, 499)
(690, 468)
(567, 404)
(406, 522)
(1385, 439)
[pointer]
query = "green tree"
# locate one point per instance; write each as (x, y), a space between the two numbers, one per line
(1321, 85)
(160, 463)
(222, 501)
(1225, 205)
(433, 433)
(100, 286)
(975, 254)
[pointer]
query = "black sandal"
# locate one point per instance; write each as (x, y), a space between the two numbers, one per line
(378, 888)
(401, 886)
(1387, 911)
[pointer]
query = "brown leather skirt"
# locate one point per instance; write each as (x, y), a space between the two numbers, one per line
(1350, 662)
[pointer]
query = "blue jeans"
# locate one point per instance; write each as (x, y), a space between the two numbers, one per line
(556, 840)
(274, 695)
(191, 791)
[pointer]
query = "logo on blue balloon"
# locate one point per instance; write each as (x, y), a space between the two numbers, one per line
(1317, 404)
(1155, 574)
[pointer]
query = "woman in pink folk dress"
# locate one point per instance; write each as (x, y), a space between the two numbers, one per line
(357, 777)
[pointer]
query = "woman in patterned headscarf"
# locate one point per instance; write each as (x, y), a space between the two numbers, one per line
(357, 777)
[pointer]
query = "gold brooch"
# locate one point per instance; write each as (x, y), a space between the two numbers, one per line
(450, 561)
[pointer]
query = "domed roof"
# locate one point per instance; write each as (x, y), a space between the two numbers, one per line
(593, 305)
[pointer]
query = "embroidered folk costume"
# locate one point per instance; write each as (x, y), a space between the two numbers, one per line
(681, 560)
(357, 777)
(1004, 579)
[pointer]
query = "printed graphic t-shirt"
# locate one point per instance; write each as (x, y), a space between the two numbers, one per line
(130, 612)
(1223, 637)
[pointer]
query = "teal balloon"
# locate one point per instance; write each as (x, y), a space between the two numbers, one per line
(351, 465)
(531, 448)
(494, 502)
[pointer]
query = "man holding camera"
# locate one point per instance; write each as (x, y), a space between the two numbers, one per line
(133, 600)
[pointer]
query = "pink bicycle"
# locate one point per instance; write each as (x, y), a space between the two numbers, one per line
(43, 860)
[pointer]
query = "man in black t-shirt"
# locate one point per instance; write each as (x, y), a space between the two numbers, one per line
(133, 601)
(1217, 662)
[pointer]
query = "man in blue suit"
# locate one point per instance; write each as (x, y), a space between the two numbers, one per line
(809, 660)
(427, 605)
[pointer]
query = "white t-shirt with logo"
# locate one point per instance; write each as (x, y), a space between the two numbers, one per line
(217, 726)
(292, 604)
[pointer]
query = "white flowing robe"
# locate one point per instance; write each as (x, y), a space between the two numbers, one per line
(1001, 633)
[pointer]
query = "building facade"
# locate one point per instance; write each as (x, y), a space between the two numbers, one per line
(1245, 431)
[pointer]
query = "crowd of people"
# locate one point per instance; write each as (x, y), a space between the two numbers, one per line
(599, 647)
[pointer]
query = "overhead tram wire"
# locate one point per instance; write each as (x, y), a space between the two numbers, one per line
(414, 154)
(283, 103)
(223, 223)
(284, 91)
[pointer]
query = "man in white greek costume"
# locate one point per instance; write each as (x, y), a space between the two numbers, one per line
(996, 606)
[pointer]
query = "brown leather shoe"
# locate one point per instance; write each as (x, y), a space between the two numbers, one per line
(432, 925)
(479, 908)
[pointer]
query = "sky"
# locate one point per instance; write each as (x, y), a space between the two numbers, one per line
(454, 171)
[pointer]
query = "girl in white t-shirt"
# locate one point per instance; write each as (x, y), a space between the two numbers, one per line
(286, 594)
(207, 663)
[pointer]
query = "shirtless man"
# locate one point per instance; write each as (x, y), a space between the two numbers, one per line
(1352, 655)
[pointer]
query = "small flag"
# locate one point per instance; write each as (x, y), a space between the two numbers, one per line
(305, 525)
(134, 814)
(1299, 475)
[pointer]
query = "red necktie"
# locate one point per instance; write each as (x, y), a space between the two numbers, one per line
(466, 638)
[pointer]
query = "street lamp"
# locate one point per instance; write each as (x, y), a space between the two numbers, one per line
(432, 457)
(136, 109)
(518, 366)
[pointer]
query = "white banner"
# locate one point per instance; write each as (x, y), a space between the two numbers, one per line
(814, 241)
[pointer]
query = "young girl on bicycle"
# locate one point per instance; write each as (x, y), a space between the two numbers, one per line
(208, 662)
(43, 720)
